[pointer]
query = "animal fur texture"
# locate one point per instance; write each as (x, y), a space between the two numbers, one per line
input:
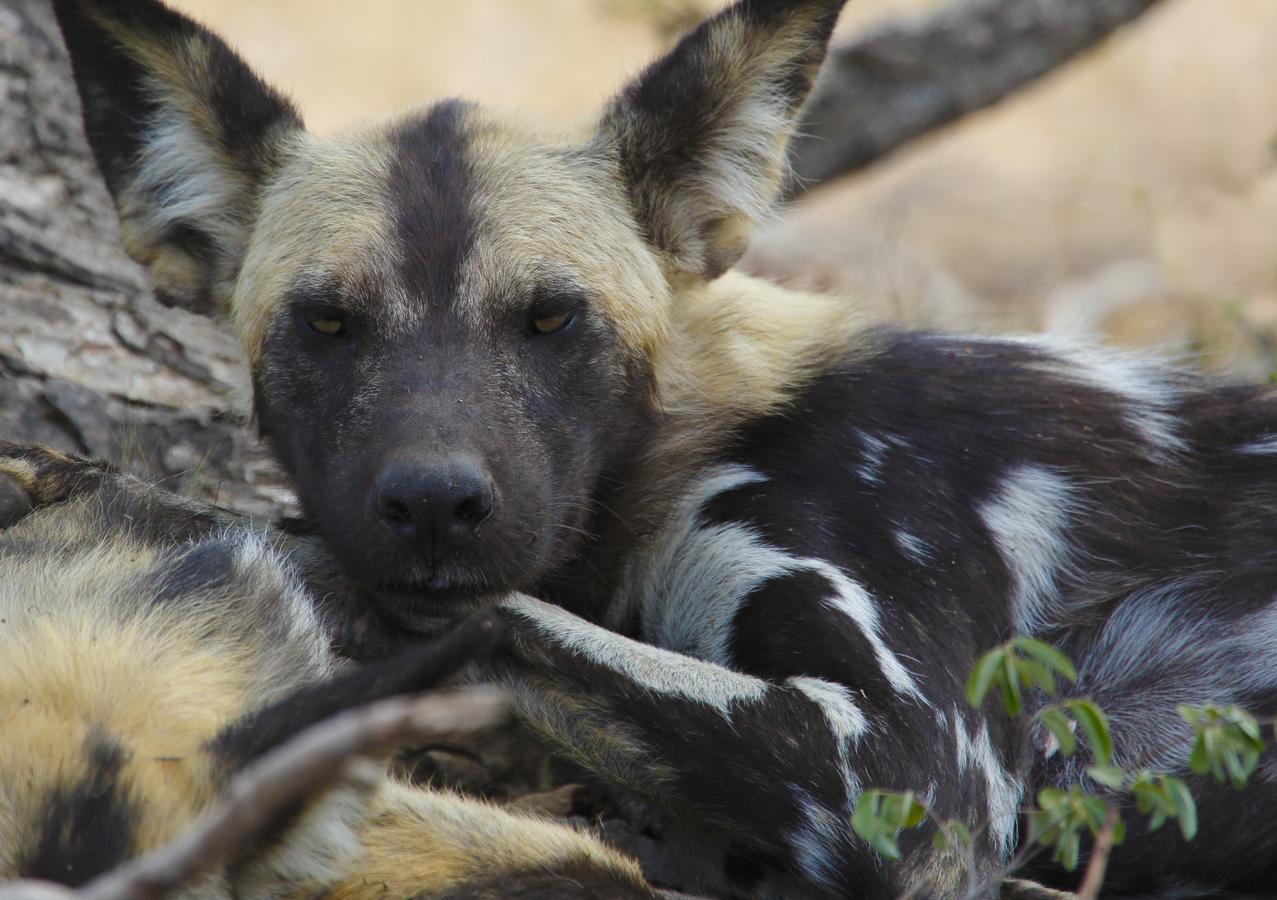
(149, 649)
(747, 550)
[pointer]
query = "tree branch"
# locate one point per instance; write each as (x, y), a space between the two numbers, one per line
(1097, 865)
(906, 78)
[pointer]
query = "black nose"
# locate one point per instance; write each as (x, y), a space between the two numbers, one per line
(433, 508)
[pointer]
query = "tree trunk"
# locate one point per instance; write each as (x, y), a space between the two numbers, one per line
(89, 361)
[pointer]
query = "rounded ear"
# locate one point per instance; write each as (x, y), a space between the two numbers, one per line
(700, 136)
(185, 135)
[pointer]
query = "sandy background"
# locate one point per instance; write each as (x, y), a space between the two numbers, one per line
(1132, 193)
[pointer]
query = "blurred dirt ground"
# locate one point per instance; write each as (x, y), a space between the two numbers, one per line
(1132, 193)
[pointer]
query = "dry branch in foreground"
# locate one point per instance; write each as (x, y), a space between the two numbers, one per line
(333, 753)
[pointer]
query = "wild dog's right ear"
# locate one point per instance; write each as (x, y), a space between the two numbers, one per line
(700, 136)
(185, 135)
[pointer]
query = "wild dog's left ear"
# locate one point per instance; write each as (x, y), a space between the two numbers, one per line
(185, 135)
(700, 136)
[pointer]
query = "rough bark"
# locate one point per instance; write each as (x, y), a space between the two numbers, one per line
(89, 361)
(904, 79)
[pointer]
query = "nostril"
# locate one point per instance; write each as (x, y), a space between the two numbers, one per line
(394, 510)
(473, 510)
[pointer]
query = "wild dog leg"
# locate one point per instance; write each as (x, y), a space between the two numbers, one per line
(32, 476)
(42, 476)
(773, 766)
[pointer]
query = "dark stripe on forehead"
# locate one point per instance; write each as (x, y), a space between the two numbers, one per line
(430, 185)
(86, 828)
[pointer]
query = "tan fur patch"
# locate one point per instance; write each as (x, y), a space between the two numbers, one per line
(550, 207)
(424, 843)
(325, 217)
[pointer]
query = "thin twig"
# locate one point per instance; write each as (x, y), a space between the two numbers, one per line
(1099, 861)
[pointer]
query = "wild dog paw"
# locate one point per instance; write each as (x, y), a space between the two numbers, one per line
(32, 475)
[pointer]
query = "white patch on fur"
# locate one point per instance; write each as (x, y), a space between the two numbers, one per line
(1262, 447)
(1146, 384)
(691, 582)
(694, 578)
(652, 667)
(818, 840)
(1029, 518)
(914, 548)
(184, 178)
(846, 720)
(941, 722)
(1002, 792)
(873, 456)
(854, 601)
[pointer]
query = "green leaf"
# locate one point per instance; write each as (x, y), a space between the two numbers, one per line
(1185, 808)
(1109, 776)
(1030, 673)
(1228, 742)
(880, 816)
(1199, 760)
(1158, 819)
(1012, 697)
(1095, 726)
(1047, 655)
(1066, 850)
(1060, 727)
(1190, 714)
(983, 674)
(915, 814)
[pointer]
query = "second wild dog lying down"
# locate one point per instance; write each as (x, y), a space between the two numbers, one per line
(758, 547)
(149, 650)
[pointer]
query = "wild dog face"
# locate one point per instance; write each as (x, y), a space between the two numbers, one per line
(458, 327)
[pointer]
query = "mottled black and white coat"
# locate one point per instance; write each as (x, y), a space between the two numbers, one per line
(748, 550)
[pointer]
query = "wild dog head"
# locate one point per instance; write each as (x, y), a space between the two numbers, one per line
(457, 325)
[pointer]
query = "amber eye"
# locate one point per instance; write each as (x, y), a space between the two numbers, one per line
(551, 324)
(329, 327)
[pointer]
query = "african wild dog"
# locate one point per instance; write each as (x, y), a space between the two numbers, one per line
(150, 648)
(766, 545)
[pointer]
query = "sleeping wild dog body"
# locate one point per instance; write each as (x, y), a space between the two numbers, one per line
(747, 550)
(151, 649)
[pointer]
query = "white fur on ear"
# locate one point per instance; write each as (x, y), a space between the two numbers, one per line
(181, 183)
(185, 134)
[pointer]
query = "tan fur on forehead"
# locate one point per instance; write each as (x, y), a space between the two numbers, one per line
(548, 205)
(326, 216)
